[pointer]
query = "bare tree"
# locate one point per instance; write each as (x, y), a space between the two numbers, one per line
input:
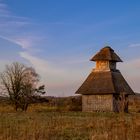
(21, 84)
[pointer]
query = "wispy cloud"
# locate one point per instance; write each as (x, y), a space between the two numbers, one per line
(134, 45)
(60, 81)
(3, 9)
(16, 29)
(23, 43)
(51, 76)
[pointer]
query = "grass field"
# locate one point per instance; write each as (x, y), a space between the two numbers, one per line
(41, 122)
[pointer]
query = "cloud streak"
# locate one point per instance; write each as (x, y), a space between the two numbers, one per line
(24, 43)
(16, 29)
(136, 45)
(59, 81)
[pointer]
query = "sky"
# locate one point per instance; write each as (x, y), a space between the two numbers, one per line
(58, 37)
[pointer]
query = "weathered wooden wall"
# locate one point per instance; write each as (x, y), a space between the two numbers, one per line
(102, 66)
(97, 103)
(105, 66)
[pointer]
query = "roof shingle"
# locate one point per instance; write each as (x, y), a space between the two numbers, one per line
(108, 82)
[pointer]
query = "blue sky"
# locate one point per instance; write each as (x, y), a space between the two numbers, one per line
(58, 37)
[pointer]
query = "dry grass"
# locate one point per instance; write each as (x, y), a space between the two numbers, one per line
(45, 123)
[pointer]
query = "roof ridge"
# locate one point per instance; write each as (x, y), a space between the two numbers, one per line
(113, 81)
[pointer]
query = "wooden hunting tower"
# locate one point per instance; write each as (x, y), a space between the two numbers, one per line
(105, 89)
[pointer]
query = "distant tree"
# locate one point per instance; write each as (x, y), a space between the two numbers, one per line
(20, 82)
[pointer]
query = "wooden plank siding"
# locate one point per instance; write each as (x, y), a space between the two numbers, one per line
(97, 103)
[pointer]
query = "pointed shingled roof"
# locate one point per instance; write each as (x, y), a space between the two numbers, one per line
(106, 53)
(110, 82)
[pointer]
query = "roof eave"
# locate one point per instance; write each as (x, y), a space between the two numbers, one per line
(93, 59)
